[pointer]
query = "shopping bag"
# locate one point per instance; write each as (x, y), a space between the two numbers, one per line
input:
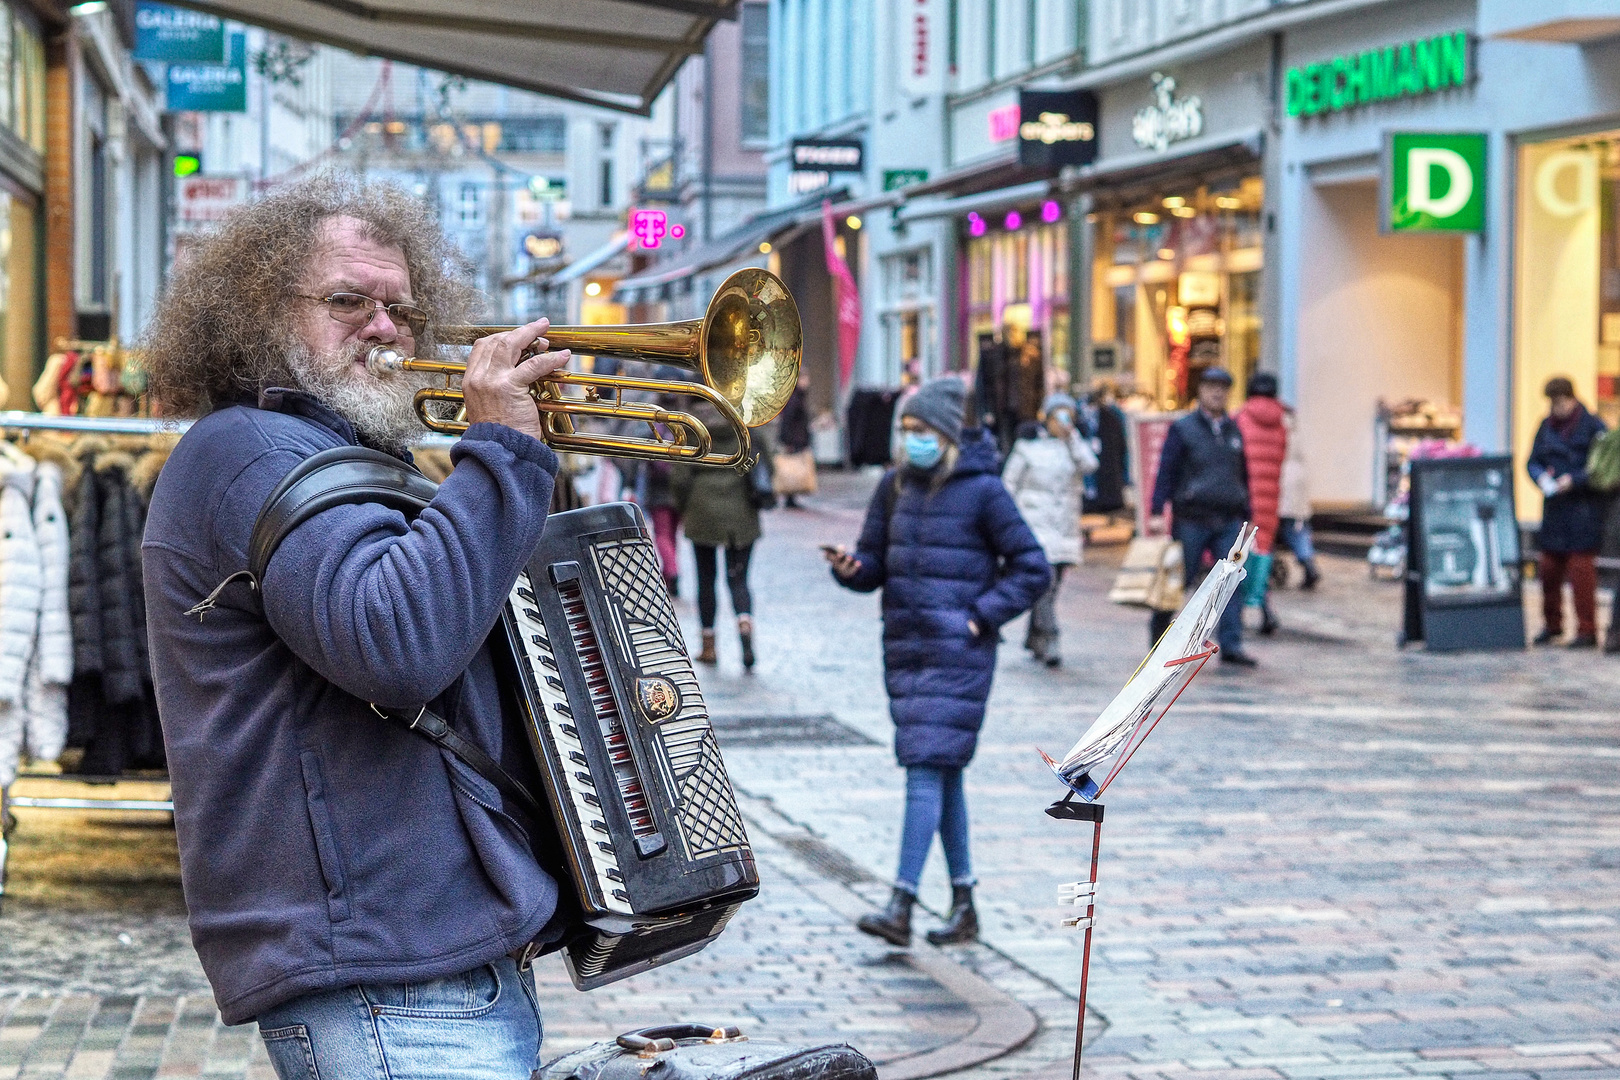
(1151, 575)
(795, 473)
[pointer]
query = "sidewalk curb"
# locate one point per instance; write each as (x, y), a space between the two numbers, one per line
(1003, 1023)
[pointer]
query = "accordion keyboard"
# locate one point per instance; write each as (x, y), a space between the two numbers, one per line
(583, 798)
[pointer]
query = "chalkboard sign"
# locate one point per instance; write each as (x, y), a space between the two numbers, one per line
(1463, 577)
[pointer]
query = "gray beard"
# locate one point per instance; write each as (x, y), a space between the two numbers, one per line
(381, 409)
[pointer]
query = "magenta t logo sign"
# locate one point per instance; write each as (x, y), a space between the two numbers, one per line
(649, 227)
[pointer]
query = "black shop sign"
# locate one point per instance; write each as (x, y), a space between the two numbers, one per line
(1057, 127)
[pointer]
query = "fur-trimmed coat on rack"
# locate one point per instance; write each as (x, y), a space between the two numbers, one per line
(111, 710)
(36, 646)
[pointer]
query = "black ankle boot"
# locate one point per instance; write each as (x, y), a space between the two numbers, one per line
(962, 924)
(1312, 575)
(894, 925)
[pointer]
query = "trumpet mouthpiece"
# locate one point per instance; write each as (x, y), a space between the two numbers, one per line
(383, 360)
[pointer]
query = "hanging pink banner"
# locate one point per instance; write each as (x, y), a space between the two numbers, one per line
(845, 294)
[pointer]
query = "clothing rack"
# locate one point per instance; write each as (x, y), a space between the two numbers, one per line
(11, 421)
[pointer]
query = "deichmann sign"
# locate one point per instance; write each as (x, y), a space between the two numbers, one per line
(166, 34)
(211, 87)
(1433, 182)
(1057, 127)
(1418, 67)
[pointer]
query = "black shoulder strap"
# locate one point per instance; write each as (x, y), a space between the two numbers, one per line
(336, 477)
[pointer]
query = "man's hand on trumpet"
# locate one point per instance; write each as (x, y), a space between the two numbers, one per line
(497, 380)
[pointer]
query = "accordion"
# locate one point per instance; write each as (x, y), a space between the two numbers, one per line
(646, 817)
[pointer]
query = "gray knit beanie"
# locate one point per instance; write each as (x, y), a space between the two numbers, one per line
(939, 403)
(1058, 401)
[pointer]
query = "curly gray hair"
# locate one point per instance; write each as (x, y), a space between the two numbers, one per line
(223, 330)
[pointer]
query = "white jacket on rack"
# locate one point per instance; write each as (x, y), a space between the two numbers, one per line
(36, 642)
(1044, 475)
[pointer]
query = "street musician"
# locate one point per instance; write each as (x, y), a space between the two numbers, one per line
(369, 900)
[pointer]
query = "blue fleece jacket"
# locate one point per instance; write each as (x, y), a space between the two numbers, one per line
(944, 558)
(322, 846)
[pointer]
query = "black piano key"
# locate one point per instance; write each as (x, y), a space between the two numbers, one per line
(550, 663)
(590, 799)
(607, 847)
(569, 730)
(556, 684)
(578, 758)
(613, 874)
(622, 895)
(527, 595)
(585, 778)
(566, 711)
(599, 826)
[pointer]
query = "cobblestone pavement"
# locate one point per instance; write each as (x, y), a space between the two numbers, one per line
(1355, 862)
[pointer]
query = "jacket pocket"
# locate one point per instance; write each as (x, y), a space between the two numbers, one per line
(327, 849)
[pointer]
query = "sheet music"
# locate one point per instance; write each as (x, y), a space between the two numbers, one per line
(1168, 668)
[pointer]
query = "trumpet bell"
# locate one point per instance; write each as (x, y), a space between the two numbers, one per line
(752, 343)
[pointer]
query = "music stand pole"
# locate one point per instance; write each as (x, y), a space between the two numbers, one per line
(1081, 894)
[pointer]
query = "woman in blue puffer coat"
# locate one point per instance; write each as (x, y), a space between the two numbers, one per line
(955, 560)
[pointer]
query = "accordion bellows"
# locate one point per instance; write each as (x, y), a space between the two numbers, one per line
(645, 813)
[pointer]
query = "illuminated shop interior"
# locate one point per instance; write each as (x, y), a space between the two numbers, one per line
(1176, 287)
(1567, 302)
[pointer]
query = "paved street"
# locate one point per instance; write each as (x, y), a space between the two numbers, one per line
(1355, 862)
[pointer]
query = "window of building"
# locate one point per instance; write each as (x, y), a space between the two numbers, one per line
(756, 74)
(470, 207)
(605, 133)
(22, 79)
(534, 134)
(607, 183)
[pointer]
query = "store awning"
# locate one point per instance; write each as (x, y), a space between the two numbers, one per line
(736, 244)
(1001, 172)
(584, 265)
(1000, 198)
(614, 53)
(1207, 155)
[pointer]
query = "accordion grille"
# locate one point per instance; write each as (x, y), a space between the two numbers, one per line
(706, 811)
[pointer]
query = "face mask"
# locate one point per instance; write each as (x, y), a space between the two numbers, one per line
(922, 450)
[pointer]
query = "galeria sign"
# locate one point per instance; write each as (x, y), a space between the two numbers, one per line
(1412, 68)
(1433, 182)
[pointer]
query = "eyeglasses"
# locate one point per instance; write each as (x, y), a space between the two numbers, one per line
(357, 309)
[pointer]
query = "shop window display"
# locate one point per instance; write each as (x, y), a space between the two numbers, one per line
(1176, 286)
(1567, 303)
(1017, 310)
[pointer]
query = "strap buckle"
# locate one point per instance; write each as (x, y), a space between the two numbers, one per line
(525, 956)
(415, 721)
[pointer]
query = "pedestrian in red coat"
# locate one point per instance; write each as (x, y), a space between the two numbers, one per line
(1265, 447)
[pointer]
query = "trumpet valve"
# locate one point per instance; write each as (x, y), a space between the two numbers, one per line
(382, 360)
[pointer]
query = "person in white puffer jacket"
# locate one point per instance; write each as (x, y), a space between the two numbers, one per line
(36, 634)
(1044, 474)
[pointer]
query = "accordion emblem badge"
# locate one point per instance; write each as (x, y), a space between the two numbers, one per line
(646, 818)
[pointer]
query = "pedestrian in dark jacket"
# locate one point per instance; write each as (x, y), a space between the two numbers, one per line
(370, 899)
(945, 542)
(1571, 517)
(717, 511)
(1203, 478)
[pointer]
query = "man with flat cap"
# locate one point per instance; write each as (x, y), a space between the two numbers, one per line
(1204, 478)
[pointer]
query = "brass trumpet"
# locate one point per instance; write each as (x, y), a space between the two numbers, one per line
(745, 350)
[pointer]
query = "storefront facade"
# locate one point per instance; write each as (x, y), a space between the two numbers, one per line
(1446, 332)
(22, 185)
(1174, 244)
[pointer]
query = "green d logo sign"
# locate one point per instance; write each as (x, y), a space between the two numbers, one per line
(1434, 183)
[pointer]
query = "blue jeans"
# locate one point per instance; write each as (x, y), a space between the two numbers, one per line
(935, 803)
(1296, 534)
(1197, 537)
(483, 1024)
